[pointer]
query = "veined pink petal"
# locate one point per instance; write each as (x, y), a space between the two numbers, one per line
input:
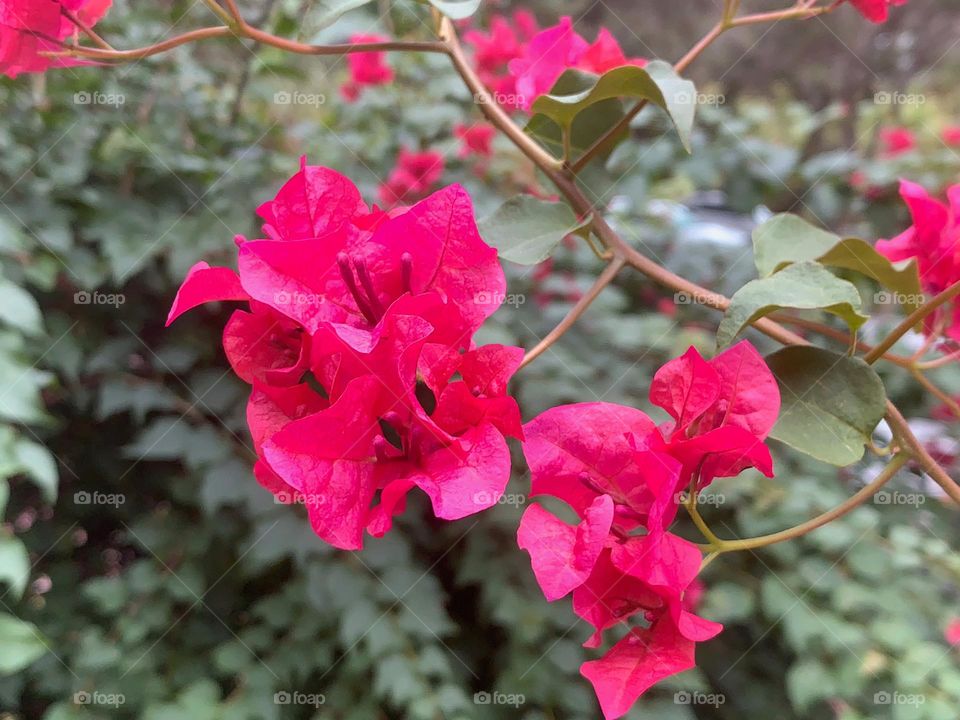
(205, 284)
(563, 556)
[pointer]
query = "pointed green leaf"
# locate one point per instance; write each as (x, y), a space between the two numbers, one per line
(831, 403)
(326, 12)
(456, 9)
(20, 644)
(19, 309)
(576, 92)
(526, 230)
(39, 465)
(14, 565)
(786, 239)
(587, 128)
(804, 286)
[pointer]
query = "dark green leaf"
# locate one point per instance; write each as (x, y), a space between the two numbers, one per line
(456, 9)
(577, 91)
(786, 239)
(14, 565)
(326, 12)
(525, 230)
(805, 286)
(830, 403)
(20, 644)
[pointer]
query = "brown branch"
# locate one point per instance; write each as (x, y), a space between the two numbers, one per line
(605, 278)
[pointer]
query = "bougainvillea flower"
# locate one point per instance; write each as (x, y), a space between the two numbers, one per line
(357, 340)
(934, 240)
(30, 27)
(560, 48)
(623, 476)
(493, 51)
(612, 466)
(563, 556)
(952, 632)
(577, 452)
(723, 409)
(366, 68)
(369, 441)
(951, 135)
(896, 141)
(644, 657)
(413, 177)
(476, 139)
(877, 11)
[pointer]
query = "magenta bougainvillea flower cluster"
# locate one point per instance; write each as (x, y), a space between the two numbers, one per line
(934, 241)
(31, 27)
(357, 340)
(624, 477)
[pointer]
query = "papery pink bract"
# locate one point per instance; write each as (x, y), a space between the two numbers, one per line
(623, 477)
(355, 317)
(877, 11)
(934, 241)
(559, 48)
(413, 177)
(476, 139)
(30, 27)
(896, 141)
(563, 556)
(366, 68)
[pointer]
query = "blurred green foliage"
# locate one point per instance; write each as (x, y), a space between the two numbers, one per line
(162, 582)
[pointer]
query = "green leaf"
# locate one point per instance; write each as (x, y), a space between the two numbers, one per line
(809, 681)
(40, 466)
(786, 239)
(20, 644)
(805, 286)
(587, 128)
(830, 403)
(576, 91)
(457, 9)
(326, 12)
(14, 565)
(526, 230)
(18, 309)
(4, 496)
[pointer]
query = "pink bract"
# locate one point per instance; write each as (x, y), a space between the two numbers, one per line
(27, 25)
(357, 340)
(560, 48)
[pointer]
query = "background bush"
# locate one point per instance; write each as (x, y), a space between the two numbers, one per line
(139, 557)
